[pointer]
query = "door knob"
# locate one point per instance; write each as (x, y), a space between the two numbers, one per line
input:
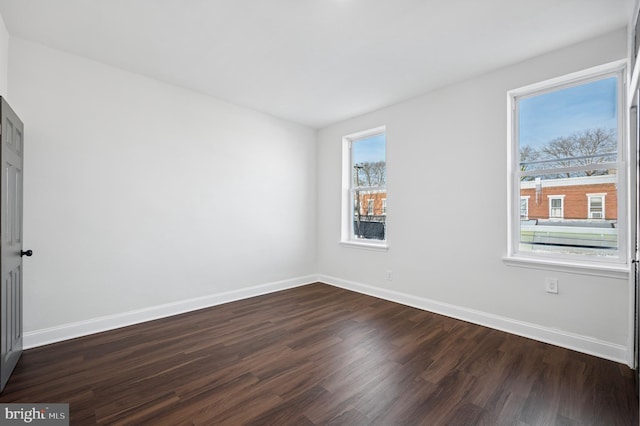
(26, 253)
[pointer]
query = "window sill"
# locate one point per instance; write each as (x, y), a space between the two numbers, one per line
(365, 245)
(620, 271)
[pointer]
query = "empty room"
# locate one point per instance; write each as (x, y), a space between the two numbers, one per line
(310, 212)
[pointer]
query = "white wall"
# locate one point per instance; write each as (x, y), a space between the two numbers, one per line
(4, 57)
(139, 193)
(447, 213)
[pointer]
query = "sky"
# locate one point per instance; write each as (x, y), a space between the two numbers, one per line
(545, 117)
(369, 149)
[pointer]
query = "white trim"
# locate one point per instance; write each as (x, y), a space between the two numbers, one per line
(579, 77)
(62, 332)
(365, 133)
(585, 344)
(365, 244)
(607, 270)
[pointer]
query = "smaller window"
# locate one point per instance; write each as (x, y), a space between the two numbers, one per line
(596, 206)
(556, 206)
(524, 208)
(384, 206)
(364, 178)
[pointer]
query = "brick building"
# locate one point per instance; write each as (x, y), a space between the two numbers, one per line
(589, 198)
(373, 203)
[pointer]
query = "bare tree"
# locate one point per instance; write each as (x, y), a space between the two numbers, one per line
(371, 173)
(591, 146)
(527, 154)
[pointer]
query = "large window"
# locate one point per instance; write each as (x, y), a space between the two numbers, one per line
(566, 152)
(364, 184)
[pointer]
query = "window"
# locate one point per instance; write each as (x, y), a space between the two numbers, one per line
(556, 207)
(566, 145)
(596, 206)
(524, 208)
(364, 220)
(370, 207)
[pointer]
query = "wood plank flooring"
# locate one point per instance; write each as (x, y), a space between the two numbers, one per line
(321, 355)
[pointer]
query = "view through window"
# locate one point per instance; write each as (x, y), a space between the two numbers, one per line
(567, 171)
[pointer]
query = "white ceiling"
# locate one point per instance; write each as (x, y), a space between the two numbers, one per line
(314, 62)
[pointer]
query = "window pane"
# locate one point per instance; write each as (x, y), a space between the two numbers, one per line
(596, 207)
(568, 224)
(567, 158)
(369, 218)
(368, 156)
(571, 127)
(369, 177)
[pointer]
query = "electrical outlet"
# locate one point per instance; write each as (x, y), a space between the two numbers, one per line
(551, 285)
(389, 275)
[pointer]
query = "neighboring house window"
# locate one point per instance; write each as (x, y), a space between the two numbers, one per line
(556, 207)
(364, 179)
(524, 208)
(568, 133)
(384, 206)
(596, 206)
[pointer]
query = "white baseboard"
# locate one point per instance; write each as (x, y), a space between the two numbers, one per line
(50, 335)
(580, 343)
(556, 337)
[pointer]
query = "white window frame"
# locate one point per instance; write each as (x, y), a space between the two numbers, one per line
(556, 197)
(617, 266)
(590, 197)
(347, 238)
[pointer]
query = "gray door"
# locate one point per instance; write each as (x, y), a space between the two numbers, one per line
(11, 252)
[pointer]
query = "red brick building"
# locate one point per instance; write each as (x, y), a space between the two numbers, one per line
(373, 203)
(582, 198)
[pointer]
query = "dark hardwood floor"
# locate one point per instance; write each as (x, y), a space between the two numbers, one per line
(322, 355)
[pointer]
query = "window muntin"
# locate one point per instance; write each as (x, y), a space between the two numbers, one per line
(567, 138)
(364, 179)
